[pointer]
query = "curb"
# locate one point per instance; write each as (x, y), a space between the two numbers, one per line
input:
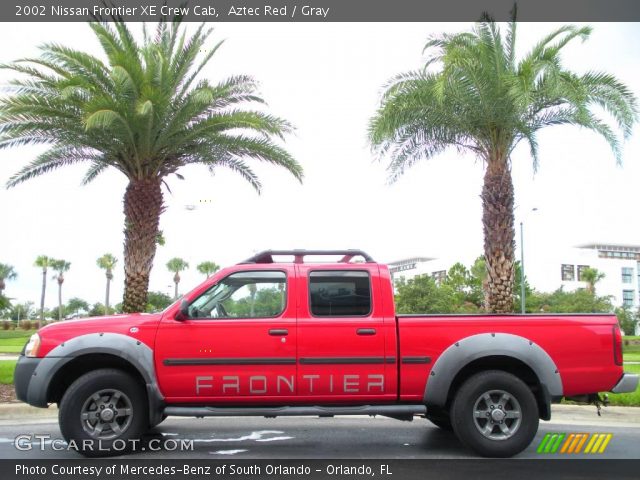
(587, 415)
(15, 411)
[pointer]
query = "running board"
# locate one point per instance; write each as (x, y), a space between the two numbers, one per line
(386, 410)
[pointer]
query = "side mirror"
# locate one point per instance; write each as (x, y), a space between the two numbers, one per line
(183, 313)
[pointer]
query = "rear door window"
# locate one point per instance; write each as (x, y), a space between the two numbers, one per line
(340, 293)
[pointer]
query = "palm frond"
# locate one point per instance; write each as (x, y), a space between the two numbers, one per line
(139, 107)
(50, 160)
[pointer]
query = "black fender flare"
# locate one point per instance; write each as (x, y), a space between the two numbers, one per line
(133, 351)
(475, 347)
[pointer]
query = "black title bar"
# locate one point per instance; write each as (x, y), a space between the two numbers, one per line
(319, 10)
(327, 469)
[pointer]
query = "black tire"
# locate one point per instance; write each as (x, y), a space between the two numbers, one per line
(489, 432)
(154, 425)
(441, 419)
(109, 392)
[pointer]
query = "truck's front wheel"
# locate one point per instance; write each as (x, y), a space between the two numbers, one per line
(495, 414)
(103, 413)
(440, 418)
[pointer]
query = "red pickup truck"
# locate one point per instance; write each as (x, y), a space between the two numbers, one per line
(285, 334)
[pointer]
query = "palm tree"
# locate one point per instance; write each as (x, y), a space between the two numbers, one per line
(475, 95)
(107, 262)
(142, 111)
(253, 290)
(177, 265)
(44, 263)
(208, 268)
(7, 272)
(592, 276)
(60, 267)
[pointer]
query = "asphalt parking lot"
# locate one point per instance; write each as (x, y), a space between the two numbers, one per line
(316, 438)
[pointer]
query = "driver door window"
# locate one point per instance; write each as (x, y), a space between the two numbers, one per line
(243, 295)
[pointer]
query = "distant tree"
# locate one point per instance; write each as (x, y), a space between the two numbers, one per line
(60, 267)
(75, 305)
(592, 276)
(265, 302)
(5, 305)
(158, 301)
(20, 311)
(7, 272)
(208, 268)
(97, 310)
(177, 265)
(422, 294)
(578, 301)
(528, 291)
(627, 320)
(467, 289)
(44, 263)
(107, 262)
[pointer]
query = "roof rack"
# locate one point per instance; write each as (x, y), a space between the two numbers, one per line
(347, 255)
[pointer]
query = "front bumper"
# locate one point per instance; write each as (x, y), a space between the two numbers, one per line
(627, 384)
(23, 374)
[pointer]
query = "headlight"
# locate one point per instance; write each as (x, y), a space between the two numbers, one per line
(31, 350)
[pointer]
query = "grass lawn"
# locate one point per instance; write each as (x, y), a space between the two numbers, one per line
(12, 341)
(6, 371)
(631, 357)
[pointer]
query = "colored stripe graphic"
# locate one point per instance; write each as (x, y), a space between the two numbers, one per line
(570, 439)
(557, 443)
(592, 440)
(598, 443)
(606, 442)
(551, 442)
(543, 443)
(573, 443)
(581, 443)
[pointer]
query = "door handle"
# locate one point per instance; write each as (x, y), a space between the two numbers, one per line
(366, 331)
(278, 332)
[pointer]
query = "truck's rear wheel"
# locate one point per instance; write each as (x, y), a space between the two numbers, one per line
(495, 414)
(103, 412)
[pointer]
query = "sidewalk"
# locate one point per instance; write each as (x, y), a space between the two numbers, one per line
(20, 413)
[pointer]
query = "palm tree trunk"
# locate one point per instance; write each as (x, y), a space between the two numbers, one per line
(44, 288)
(106, 297)
(497, 222)
(59, 300)
(176, 281)
(143, 204)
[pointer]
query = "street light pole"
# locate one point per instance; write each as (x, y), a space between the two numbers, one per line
(522, 290)
(522, 277)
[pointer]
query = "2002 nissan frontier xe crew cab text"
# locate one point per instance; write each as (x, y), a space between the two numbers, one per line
(284, 333)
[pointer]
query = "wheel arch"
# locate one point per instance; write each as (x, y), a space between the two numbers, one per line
(494, 351)
(71, 359)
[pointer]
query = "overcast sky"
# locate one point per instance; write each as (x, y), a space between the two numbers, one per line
(326, 79)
